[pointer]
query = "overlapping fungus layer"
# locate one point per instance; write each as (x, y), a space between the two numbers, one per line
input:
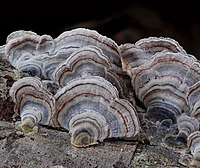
(99, 83)
(165, 79)
(86, 67)
(90, 108)
(33, 102)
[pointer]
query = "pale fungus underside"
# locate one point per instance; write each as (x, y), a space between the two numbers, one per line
(86, 84)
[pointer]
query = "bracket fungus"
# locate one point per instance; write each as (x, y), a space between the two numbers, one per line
(89, 61)
(157, 44)
(134, 55)
(186, 125)
(85, 83)
(90, 108)
(24, 45)
(41, 55)
(166, 80)
(83, 58)
(25, 50)
(84, 61)
(163, 75)
(162, 84)
(33, 102)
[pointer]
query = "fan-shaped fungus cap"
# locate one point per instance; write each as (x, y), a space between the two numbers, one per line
(33, 102)
(89, 107)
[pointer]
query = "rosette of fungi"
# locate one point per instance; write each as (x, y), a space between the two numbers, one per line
(27, 51)
(40, 55)
(88, 61)
(70, 41)
(134, 55)
(33, 102)
(162, 84)
(90, 109)
(26, 46)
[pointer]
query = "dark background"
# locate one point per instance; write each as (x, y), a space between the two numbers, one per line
(123, 21)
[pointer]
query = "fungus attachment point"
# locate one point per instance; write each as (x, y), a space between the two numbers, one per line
(27, 126)
(83, 139)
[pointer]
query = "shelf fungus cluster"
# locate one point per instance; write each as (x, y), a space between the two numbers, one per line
(85, 83)
(166, 80)
(74, 82)
(90, 108)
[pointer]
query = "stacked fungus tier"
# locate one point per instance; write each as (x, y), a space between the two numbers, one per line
(85, 83)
